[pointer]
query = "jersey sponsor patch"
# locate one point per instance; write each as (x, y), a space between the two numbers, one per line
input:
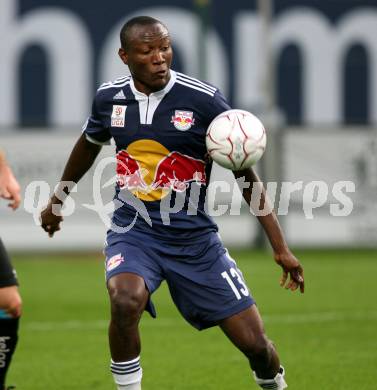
(118, 116)
(183, 120)
(114, 262)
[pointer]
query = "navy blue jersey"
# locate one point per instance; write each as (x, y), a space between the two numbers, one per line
(161, 153)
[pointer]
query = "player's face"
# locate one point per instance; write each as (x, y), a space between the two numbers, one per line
(148, 56)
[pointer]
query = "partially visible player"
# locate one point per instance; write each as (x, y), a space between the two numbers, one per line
(10, 300)
(158, 120)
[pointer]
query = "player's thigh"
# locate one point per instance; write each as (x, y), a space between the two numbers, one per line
(10, 300)
(132, 276)
(7, 273)
(210, 287)
(123, 257)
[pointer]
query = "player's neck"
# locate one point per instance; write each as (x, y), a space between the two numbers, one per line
(147, 89)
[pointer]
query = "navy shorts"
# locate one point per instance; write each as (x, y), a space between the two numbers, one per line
(204, 281)
(7, 273)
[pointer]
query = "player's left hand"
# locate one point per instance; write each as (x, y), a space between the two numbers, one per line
(292, 267)
(9, 187)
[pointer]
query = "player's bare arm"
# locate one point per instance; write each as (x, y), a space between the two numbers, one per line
(282, 254)
(9, 187)
(81, 159)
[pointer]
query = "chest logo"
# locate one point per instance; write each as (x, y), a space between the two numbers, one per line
(183, 120)
(118, 116)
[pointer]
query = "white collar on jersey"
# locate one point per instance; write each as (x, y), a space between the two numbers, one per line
(158, 94)
(149, 103)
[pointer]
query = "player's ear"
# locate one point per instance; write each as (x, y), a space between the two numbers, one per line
(123, 55)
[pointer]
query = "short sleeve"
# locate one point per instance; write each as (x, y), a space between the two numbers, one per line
(216, 106)
(94, 129)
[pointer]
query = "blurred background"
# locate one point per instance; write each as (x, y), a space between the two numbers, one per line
(308, 68)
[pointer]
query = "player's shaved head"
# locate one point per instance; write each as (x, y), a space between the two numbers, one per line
(131, 29)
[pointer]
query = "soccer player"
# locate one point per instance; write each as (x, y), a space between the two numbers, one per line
(158, 120)
(10, 300)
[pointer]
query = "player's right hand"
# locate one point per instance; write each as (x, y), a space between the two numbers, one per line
(50, 221)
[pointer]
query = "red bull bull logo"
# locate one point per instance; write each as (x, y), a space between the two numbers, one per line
(177, 170)
(114, 262)
(129, 173)
(150, 171)
(183, 120)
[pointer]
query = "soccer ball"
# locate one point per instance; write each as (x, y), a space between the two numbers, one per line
(236, 139)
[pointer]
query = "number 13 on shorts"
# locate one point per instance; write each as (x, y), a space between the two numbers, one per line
(232, 277)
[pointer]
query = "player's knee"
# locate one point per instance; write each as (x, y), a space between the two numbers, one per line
(125, 303)
(10, 301)
(259, 347)
(15, 309)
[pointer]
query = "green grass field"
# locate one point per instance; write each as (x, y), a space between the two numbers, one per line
(327, 338)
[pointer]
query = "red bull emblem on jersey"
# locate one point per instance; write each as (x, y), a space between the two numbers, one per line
(129, 173)
(176, 170)
(114, 261)
(150, 171)
(118, 116)
(183, 120)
